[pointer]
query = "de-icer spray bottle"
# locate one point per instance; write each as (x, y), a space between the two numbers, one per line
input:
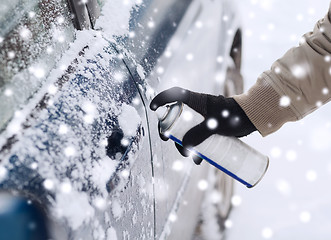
(228, 154)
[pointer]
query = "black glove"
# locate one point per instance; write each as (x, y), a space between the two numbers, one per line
(222, 115)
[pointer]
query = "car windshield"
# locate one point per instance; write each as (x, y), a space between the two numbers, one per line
(33, 34)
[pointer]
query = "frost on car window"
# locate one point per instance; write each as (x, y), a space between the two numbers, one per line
(33, 34)
(61, 157)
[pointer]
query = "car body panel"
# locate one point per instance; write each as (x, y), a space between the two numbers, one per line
(89, 148)
(62, 158)
(187, 47)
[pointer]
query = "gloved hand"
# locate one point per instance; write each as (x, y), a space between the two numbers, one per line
(222, 115)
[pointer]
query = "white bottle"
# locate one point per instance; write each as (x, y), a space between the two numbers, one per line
(228, 154)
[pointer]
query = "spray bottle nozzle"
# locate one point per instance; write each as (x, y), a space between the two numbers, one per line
(162, 112)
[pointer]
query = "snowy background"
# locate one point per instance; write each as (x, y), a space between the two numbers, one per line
(293, 201)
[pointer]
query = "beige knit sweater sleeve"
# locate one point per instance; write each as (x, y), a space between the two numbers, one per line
(296, 85)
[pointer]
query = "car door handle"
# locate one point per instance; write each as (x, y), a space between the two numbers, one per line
(121, 177)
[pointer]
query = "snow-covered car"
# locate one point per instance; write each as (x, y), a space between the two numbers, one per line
(81, 157)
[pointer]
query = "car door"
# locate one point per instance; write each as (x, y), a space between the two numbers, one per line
(176, 43)
(78, 141)
(161, 51)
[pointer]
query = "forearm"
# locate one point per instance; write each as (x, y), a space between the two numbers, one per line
(297, 84)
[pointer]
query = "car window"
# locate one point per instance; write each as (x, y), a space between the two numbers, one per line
(33, 34)
(151, 27)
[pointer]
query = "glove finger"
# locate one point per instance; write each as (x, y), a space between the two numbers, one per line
(168, 96)
(184, 152)
(196, 159)
(196, 135)
(162, 136)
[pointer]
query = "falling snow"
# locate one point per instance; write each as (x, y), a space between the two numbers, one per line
(225, 113)
(267, 233)
(284, 101)
(297, 70)
(203, 185)
(292, 201)
(212, 123)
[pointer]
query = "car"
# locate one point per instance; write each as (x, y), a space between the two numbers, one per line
(81, 156)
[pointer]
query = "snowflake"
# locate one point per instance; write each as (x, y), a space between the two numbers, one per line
(298, 71)
(172, 217)
(305, 216)
(167, 53)
(299, 17)
(311, 11)
(277, 70)
(189, 57)
(3, 173)
(228, 223)
(132, 34)
(230, 32)
(60, 19)
(151, 24)
(187, 116)
(61, 39)
(293, 37)
(66, 187)
(125, 174)
(267, 233)
(311, 175)
(271, 26)
(177, 165)
(118, 77)
(125, 142)
(25, 33)
(49, 50)
(160, 70)
(38, 72)
(248, 33)
(212, 123)
(52, 89)
(236, 200)
(291, 155)
(283, 187)
(198, 24)
(89, 119)
(203, 185)
(285, 101)
(11, 54)
(8, 92)
(325, 91)
(276, 152)
(63, 129)
(32, 14)
(136, 101)
(48, 184)
(225, 113)
(100, 203)
(219, 59)
(34, 165)
(69, 151)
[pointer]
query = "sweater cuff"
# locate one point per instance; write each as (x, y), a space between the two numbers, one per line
(262, 105)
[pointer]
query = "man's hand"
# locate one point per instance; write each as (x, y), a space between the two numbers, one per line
(222, 115)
